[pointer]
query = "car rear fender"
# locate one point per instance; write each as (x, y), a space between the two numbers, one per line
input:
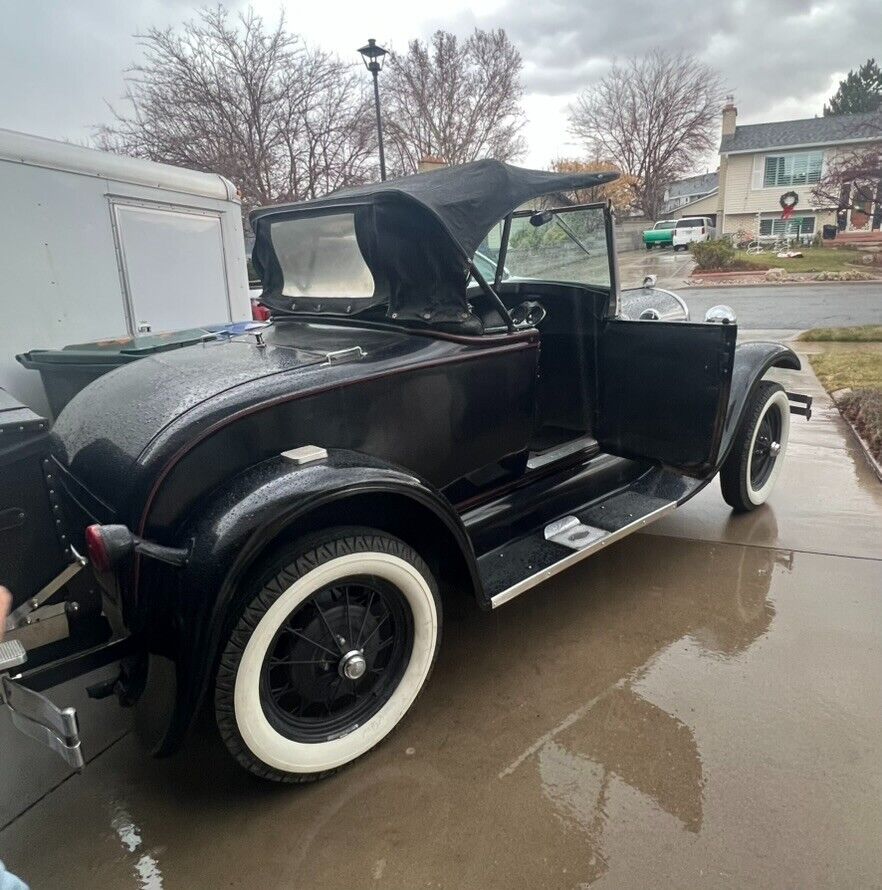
(270, 503)
(752, 361)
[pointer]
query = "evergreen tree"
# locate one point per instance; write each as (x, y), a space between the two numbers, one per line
(860, 91)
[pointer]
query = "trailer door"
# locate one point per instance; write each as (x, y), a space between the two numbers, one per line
(172, 265)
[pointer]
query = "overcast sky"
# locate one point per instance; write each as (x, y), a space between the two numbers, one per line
(60, 63)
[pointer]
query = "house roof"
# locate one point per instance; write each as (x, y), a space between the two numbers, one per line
(704, 205)
(811, 131)
(693, 185)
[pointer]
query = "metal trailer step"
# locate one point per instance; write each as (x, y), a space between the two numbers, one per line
(523, 563)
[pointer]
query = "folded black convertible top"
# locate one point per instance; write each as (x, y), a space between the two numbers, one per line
(467, 199)
(416, 234)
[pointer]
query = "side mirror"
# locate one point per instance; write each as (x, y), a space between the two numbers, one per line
(649, 281)
(721, 314)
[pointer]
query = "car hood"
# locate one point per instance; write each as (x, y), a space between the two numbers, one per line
(114, 434)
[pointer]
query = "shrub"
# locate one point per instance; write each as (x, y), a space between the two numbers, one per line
(713, 254)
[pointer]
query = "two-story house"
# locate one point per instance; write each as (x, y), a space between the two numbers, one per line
(687, 191)
(761, 162)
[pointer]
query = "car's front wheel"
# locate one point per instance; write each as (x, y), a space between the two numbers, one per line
(754, 463)
(330, 647)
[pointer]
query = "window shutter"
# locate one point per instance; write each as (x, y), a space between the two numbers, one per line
(758, 169)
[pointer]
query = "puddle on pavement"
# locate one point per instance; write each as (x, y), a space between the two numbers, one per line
(145, 866)
(668, 713)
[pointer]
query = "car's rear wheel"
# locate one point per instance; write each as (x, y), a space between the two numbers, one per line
(751, 470)
(331, 646)
(649, 246)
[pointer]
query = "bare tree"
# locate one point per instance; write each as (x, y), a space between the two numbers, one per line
(281, 120)
(459, 100)
(851, 179)
(655, 117)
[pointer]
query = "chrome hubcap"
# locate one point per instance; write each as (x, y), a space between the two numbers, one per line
(352, 665)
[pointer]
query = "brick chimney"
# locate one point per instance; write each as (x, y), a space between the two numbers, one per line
(428, 163)
(730, 112)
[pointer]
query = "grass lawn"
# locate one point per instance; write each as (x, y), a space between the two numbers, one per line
(865, 333)
(815, 259)
(862, 373)
(855, 370)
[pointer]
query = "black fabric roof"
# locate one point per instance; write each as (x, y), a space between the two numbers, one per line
(415, 235)
(468, 199)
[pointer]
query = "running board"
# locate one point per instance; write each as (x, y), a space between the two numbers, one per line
(525, 562)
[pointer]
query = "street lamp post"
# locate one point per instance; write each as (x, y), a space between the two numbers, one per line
(373, 61)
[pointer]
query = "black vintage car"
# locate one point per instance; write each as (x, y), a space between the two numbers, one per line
(453, 395)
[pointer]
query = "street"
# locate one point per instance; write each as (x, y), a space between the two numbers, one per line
(793, 307)
(779, 307)
(686, 708)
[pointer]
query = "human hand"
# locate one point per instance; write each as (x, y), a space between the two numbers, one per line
(5, 605)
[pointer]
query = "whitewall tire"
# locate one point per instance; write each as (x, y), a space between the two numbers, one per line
(752, 468)
(329, 652)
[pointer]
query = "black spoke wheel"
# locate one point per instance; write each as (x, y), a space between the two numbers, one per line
(750, 471)
(766, 446)
(335, 661)
(326, 649)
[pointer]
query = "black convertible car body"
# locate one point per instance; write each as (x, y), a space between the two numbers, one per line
(272, 522)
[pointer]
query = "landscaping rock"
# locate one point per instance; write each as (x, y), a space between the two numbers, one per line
(844, 275)
(868, 260)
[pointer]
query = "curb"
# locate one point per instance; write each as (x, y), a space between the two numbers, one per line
(722, 283)
(871, 459)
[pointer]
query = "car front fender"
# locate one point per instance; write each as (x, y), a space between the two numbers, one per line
(752, 361)
(275, 501)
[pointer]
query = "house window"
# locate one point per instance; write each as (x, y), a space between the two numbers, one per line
(797, 225)
(793, 169)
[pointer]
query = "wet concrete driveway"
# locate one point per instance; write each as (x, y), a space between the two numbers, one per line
(699, 706)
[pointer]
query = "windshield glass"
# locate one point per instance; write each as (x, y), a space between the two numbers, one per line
(567, 245)
(669, 224)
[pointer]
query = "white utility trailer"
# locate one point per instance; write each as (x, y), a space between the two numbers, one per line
(95, 245)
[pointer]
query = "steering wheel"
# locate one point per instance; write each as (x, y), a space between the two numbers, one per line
(528, 315)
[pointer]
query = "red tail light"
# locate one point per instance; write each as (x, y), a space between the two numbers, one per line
(96, 548)
(259, 312)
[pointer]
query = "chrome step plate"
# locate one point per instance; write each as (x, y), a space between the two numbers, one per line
(572, 533)
(580, 553)
(12, 655)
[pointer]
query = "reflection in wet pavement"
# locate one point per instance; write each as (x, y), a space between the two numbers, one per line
(667, 712)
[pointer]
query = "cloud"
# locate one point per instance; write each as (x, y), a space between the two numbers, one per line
(61, 62)
(771, 55)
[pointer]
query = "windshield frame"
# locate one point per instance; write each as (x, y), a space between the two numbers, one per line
(612, 257)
